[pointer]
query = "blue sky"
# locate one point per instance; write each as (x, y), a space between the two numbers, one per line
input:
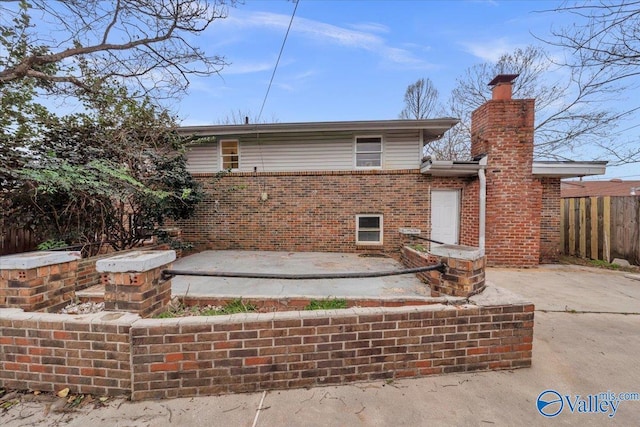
(352, 60)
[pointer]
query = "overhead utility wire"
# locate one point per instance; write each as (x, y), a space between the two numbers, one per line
(264, 101)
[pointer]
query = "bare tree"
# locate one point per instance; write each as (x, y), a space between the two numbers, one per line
(78, 44)
(603, 34)
(571, 111)
(420, 100)
(604, 41)
(241, 117)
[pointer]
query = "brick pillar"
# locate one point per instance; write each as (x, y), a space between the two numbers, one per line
(133, 281)
(550, 220)
(465, 271)
(502, 128)
(38, 281)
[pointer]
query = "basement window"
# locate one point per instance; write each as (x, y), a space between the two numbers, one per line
(368, 152)
(368, 229)
(230, 154)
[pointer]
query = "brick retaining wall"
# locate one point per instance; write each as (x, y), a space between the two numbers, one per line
(47, 352)
(249, 352)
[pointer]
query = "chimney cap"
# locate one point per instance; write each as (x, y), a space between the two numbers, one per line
(503, 78)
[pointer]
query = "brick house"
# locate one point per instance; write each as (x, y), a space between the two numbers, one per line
(356, 186)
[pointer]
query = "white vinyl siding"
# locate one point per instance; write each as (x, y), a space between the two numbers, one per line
(203, 158)
(402, 150)
(307, 152)
(298, 153)
(369, 229)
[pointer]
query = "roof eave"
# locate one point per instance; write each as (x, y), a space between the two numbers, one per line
(450, 168)
(568, 169)
(437, 127)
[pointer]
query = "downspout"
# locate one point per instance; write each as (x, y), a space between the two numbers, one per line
(483, 202)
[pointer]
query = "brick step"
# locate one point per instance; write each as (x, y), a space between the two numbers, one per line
(93, 294)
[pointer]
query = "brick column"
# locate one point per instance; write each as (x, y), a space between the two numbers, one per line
(465, 271)
(133, 281)
(38, 281)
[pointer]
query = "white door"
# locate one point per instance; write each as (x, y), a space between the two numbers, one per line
(445, 216)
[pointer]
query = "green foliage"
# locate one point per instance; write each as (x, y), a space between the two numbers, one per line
(418, 247)
(604, 264)
(326, 304)
(114, 172)
(51, 244)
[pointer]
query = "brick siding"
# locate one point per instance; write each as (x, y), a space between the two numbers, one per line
(316, 211)
(550, 220)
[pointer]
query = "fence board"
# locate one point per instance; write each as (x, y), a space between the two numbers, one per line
(601, 227)
(16, 240)
(593, 251)
(582, 227)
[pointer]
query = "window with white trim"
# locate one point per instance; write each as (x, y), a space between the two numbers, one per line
(230, 154)
(368, 152)
(369, 229)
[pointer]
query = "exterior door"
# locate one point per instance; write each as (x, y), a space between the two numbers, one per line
(445, 216)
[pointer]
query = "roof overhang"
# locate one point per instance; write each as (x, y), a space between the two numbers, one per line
(568, 169)
(432, 128)
(548, 169)
(452, 168)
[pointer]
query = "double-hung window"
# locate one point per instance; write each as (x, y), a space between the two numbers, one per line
(369, 229)
(229, 154)
(368, 152)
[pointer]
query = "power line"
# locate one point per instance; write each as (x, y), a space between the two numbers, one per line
(264, 101)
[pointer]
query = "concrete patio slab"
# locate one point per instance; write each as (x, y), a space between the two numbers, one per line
(571, 288)
(293, 263)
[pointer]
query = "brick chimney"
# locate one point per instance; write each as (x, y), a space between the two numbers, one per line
(502, 128)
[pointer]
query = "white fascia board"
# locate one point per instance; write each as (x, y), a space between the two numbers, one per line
(568, 169)
(449, 168)
(434, 125)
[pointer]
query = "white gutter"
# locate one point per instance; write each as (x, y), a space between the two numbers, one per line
(483, 202)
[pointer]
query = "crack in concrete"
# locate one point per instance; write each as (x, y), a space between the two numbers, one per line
(571, 311)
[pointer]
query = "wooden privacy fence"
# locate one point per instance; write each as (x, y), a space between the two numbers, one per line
(16, 240)
(601, 228)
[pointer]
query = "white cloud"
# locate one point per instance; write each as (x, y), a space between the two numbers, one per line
(247, 67)
(363, 37)
(490, 50)
(372, 27)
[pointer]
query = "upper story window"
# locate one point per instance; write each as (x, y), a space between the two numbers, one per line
(230, 154)
(368, 152)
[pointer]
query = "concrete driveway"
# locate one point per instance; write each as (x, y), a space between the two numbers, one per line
(587, 341)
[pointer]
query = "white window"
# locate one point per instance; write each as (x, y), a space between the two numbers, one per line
(368, 152)
(369, 229)
(229, 154)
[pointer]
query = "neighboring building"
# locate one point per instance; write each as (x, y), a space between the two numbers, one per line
(614, 187)
(356, 186)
